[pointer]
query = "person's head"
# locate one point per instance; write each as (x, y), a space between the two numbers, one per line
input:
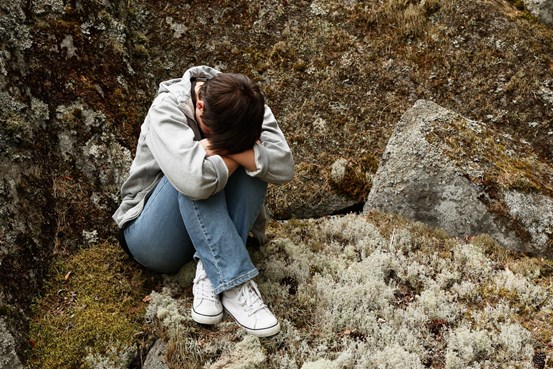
(231, 112)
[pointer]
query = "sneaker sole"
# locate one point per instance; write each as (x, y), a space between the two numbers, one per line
(264, 332)
(206, 319)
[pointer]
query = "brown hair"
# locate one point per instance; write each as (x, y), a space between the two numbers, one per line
(233, 111)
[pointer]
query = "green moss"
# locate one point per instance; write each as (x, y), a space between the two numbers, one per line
(92, 305)
(300, 66)
(491, 294)
(140, 51)
(356, 181)
(13, 123)
(506, 163)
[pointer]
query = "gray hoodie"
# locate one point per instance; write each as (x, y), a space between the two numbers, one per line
(168, 145)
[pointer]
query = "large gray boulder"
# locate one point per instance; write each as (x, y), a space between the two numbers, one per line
(453, 173)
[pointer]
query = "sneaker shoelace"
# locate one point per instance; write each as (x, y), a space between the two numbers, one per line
(252, 298)
(203, 288)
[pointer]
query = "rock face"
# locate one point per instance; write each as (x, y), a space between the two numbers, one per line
(156, 356)
(450, 172)
(8, 357)
(25, 221)
(541, 9)
(61, 158)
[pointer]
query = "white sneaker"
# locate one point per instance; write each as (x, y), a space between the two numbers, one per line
(245, 305)
(206, 308)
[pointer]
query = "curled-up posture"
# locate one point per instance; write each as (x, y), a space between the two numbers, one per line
(196, 188)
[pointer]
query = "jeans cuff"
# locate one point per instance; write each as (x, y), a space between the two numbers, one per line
(224, 286)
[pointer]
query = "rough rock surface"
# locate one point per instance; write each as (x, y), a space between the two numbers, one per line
(535, 212)
(424, 178)
(25, 218)
(8, 357)
(61, 159)
(541, 9)
(156, 356)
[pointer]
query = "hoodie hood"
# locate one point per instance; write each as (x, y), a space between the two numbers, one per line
(181, 87)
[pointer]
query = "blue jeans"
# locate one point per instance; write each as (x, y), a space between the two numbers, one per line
(172, 229)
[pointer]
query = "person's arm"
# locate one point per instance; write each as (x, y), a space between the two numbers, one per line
(270, 159)
(272, 155)
(183, 160)
(245, 159)
(229, 160)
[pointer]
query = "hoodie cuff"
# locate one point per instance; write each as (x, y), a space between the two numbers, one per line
(221, 171)
(261, 161)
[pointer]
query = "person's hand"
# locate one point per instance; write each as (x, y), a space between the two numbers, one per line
(245, 159)
(229, 162)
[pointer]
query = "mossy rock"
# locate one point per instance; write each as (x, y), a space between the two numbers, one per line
(90, 312)
(465, 177)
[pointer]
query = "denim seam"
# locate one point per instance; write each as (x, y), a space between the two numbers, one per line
(208, 242)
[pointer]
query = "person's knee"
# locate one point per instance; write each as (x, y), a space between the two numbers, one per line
(161, 261)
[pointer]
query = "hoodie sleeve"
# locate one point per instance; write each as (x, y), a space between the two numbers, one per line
(182, 159)
(273, 157)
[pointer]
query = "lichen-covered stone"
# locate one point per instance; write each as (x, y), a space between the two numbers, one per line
(449, 172)
(156, 356)
(535, 212)
(8, 356)
(541, 9)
